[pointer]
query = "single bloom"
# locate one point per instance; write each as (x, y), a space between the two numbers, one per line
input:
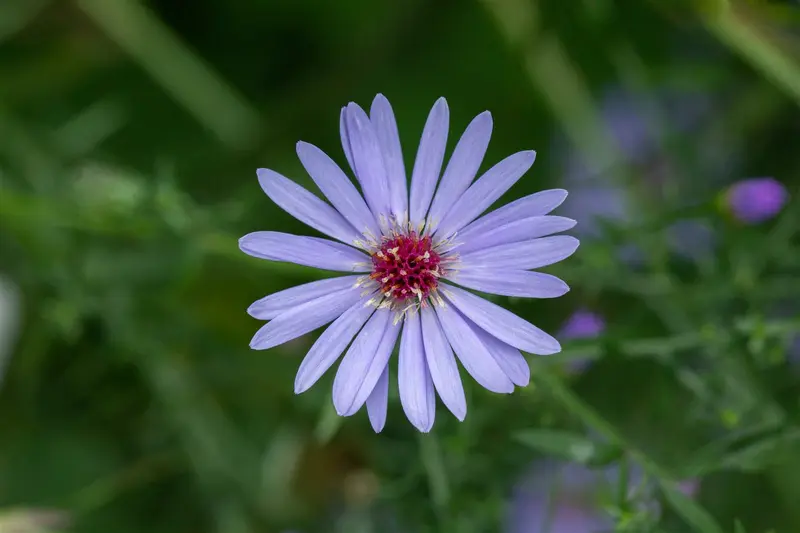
(756, 200)
(414, 251)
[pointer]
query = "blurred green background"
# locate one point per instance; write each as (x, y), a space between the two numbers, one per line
(130, 133)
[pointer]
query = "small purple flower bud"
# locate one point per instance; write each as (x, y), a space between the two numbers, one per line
(689, 487)
(583, 324)
(757, 199)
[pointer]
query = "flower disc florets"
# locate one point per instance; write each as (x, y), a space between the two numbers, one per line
(406, 266)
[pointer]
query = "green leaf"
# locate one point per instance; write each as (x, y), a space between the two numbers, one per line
(571, 446)
(692, 513)
(763, 453)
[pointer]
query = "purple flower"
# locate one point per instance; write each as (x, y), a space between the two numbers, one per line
(561, 497)
(689, 487)
(557, 497)
(410, 247)
(757, 199)
(583, 324)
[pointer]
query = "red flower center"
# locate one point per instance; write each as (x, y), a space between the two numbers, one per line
(406, 266)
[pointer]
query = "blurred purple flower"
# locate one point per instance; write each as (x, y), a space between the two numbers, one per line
(583, 324)
(641, 127)
(556, 497)
(689, 487)
(561, 497)
(756, 200)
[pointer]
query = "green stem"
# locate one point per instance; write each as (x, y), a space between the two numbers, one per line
(685, 507)
(763, 55)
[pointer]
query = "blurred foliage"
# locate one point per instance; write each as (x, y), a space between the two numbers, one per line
(129, 137)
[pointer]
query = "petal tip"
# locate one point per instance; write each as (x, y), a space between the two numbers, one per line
(551, 348)
(253, 310)
(300, 387)
(243, 243)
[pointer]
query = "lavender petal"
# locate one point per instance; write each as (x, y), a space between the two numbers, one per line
(536, 204)
(462, 167)
(383, 120)
(442, 365)
(510, 360)
(428, 164)
(524, 229)
(417, 394)
(273, 305)
(337, 188)
(472, 353)
(501, 323)
(307, 251)
(378, 401)
(516, 283)
(368, 160)
(306, 207)
(304, 319)
(330, 345)
(364, 362)
(485, 191)
(525, 255)
(345, 135)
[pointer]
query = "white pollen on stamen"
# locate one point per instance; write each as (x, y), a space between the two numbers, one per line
(426, 256)
(403, 273)
(387, 278)
(439, 300)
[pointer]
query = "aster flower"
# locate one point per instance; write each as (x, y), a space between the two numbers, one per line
(756, 200)
(410, 248)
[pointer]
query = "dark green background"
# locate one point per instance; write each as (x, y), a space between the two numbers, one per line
(129, 138)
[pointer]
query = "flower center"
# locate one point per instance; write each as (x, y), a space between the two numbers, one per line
(406, 266)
